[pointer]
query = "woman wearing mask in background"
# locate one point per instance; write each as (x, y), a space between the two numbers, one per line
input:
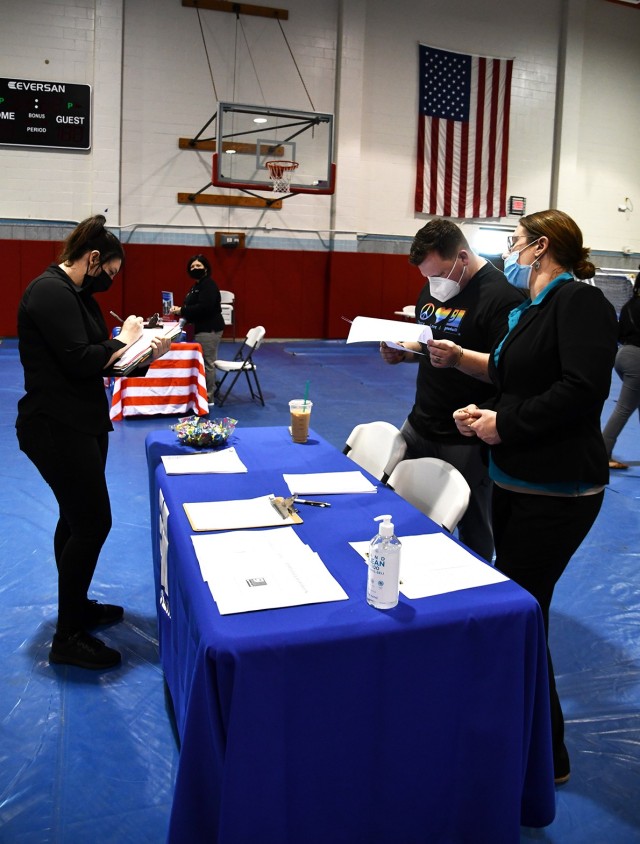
(63, 422)
(552, 373)
(627, 366)
(202, 308)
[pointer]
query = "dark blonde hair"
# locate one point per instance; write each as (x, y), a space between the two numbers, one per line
(565, 240)
(88, 235)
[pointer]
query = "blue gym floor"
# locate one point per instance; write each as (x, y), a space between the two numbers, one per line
(91, 757)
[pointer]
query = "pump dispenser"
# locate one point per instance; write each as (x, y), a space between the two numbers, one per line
(383, 583)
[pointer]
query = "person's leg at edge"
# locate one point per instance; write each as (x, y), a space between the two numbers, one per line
(627, 366)
(536, 536)
(210, 342)
(474, 529)
(73, 464)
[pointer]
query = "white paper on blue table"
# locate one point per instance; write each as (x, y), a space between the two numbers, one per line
(328, 483)
(259, 570)
(223, 461)
(432, 564)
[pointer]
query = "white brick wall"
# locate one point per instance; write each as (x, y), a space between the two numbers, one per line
(151, 85)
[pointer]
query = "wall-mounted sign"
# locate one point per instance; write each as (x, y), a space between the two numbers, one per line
(45, 114)
(517, 205)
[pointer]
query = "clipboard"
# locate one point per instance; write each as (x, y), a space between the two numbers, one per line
(141, 351)
(242, 514)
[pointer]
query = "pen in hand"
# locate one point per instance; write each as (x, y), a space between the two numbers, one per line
(114, 314)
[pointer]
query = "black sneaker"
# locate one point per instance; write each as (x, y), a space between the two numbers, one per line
(83, 650)
(97, 615)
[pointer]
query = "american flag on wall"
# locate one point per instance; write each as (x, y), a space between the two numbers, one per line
(463, 134)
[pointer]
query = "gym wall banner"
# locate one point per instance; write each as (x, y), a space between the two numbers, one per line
(45, 114)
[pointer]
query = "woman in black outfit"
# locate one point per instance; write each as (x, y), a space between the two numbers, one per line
(552, 372)
(63, 422)
(627, 366)
(202, 308)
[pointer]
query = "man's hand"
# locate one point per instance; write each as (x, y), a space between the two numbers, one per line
(392, 356)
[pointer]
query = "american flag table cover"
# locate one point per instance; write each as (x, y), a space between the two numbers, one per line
(174, 384)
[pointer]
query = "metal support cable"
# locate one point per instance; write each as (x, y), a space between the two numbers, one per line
(296, 64)
(206, 52)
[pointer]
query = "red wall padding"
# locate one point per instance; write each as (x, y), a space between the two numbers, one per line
(297, 295)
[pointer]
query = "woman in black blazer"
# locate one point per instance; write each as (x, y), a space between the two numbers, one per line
(552, 373)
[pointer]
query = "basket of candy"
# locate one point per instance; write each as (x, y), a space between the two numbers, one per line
(204, 433)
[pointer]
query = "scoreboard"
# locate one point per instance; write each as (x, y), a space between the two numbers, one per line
(45, 114)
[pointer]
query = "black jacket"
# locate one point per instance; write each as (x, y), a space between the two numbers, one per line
(553, 376)
(202, 306)
(64, 345)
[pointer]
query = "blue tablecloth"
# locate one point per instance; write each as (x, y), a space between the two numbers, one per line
(337, 722)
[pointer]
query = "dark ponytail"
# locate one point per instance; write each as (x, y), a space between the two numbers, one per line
(88, 235)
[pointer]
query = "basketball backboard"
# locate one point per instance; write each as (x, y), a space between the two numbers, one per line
(248, 136)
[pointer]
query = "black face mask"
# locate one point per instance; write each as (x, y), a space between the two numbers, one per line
(197, 272)
(97, 283)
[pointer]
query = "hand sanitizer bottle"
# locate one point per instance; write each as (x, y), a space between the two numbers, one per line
(383, 583)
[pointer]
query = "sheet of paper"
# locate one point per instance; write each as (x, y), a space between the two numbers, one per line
(225, 460)
(328, 483)
(249, 570)
(391, 331)
(235, 515)
(433, 564)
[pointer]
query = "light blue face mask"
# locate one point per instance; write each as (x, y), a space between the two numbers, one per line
(518, 274)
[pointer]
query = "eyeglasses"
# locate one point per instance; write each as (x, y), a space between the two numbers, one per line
(513, 239)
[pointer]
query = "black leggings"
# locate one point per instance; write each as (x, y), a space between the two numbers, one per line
(73, 464)
(535, 537)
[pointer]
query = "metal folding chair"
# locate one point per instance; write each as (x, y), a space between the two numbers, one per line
(242, 362)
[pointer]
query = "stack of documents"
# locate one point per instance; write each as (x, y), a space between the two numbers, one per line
(248, 571)
(432, 564)
(225, 460)
(328, 483)
(138, 352)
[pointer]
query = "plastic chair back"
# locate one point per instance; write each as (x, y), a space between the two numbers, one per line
(377, 447)
(434, 487)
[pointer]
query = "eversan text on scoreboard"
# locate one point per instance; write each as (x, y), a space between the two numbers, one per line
(36, 86)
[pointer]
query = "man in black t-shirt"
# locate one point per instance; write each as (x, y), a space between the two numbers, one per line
(466, 301)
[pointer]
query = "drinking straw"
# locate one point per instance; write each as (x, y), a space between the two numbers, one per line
(306, 394)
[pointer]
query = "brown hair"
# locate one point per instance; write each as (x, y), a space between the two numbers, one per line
(439, 235)
(88, 235)
(565, 240)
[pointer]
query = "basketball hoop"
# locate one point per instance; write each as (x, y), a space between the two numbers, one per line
(280, 173)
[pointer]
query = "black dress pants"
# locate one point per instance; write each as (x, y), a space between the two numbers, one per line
(535, 537)
(73, 464)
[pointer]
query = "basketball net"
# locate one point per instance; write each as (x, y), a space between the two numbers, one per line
(280, 173)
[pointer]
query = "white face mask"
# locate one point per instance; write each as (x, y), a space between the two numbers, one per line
(445, 288)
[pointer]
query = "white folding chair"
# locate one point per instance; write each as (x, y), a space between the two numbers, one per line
(434, 487)
(227, 306)
(242, 362)
(377, 447)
